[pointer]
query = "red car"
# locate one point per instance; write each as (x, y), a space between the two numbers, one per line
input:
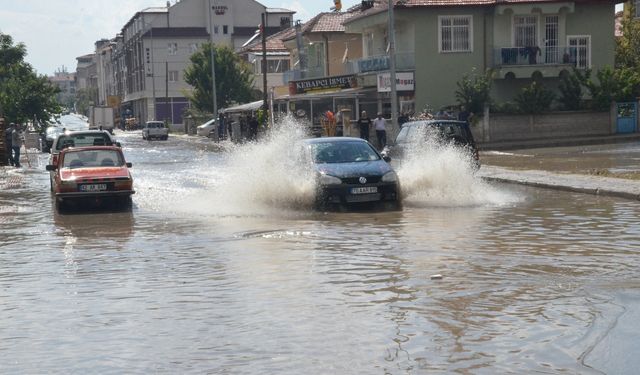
(91, 175)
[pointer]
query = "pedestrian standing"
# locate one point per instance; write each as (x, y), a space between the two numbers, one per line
(16, 144)
(364, 123)
(7, 143)
(381, 130)
(465, 115)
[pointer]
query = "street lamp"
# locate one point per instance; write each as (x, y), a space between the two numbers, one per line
(213, 64)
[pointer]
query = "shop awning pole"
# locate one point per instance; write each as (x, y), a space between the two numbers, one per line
(392, 72)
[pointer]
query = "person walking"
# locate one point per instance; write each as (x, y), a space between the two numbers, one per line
(465, 115)
(16, 144)
(381, 130)
(7, 143)
(364, 123)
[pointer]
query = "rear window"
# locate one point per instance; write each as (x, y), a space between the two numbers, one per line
(83, 140)
(92, 158)
(155, 125)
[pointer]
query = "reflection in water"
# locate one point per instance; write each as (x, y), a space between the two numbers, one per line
(185, 282)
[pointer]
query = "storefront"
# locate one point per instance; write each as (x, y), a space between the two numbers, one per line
(346, 97)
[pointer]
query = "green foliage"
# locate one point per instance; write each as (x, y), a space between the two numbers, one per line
(474, 91)
(620, 85)
(23, 93)
(534, 98)
(571, 91)
(234, 79)
(628, 45)
(85, 98)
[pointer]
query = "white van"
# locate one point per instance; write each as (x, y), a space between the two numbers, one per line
(155, 129)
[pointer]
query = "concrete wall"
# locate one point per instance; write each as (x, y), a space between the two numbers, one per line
(509, 128)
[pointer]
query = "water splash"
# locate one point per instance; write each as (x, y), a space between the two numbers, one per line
(263, 176)
(435, 172)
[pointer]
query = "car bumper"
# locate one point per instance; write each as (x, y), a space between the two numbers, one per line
(341, 194)
(94, 194)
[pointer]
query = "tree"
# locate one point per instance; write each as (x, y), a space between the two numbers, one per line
(473, 91)
(570, 91)
(628, 45)
(534, 98)
(23, 93)
(234, 80)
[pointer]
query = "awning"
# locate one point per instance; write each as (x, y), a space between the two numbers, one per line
(346, 93)
(247, 107)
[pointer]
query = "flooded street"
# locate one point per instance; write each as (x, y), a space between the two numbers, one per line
(222, 267)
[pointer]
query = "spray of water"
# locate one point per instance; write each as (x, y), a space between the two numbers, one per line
(262, 177)
(436, 172)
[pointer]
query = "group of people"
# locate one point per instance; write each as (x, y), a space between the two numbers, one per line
(379, 124)
(13, 143)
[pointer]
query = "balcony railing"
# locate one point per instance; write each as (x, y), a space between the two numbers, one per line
(404, 61)
(297, 74)
(510, 56)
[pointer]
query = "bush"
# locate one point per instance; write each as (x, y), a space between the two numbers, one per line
(534, 98)
(474, 91)
(570, 91)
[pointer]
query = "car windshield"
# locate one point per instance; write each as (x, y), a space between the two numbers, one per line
(153, 125)
(342, 152)
(83, 140)
(92, 158)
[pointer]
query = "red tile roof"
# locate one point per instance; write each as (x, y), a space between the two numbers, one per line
(274, 43)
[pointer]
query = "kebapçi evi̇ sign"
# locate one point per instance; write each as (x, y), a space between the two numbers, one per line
(322, 84)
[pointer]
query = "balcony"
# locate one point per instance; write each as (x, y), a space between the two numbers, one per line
(550, 61)
(297, 74)
(373, 64)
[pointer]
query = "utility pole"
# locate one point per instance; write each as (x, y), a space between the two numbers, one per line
(392, 72)
(263, 31)
(213, 65)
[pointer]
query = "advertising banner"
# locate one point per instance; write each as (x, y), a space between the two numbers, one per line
(325, 84)
(405, 81)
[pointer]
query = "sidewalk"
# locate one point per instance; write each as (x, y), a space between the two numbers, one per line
(605, 186)
(558, 142)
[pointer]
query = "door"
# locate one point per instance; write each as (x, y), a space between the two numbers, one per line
(626, 117)
(580, 51)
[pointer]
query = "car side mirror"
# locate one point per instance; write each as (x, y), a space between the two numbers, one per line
(386, 158)
(118, 144)
(129, 165)
(51, 167)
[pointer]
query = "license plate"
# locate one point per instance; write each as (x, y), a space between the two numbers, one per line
(93, 187)
(364, 190)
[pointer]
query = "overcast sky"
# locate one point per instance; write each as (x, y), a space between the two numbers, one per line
(57, 31)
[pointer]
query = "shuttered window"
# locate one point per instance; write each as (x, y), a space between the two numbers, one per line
(455, 33)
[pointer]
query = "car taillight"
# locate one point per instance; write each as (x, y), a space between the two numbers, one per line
(123, 185)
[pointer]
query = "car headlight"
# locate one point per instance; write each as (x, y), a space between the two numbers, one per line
(390, 177)
(325, 179)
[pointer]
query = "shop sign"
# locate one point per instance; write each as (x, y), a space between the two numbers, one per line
(322, 84)
(220, 9)
(405, 81)
(373, 64)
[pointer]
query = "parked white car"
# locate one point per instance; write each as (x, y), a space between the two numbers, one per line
(204, 129)
(155, 129)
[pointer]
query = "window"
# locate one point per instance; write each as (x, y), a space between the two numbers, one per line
(225, 29)
(277, 66)
(173, 48)
(173, 76)
(455, 33)
(193, 47)
(215, 29)
(636, 5)
(525, 31)
(579, 50)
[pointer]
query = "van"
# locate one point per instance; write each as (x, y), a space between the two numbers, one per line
(155, 129)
